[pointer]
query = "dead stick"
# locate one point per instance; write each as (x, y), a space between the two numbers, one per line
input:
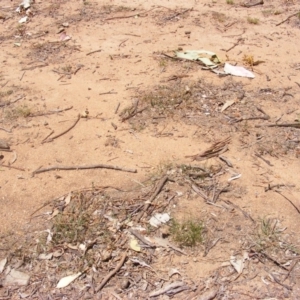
(130, 16)
(64, 132)
(161, 184)
(117, 108)
(112, 273)
(178, 14)
(86, 167)
(295, 125)
(141, 238)
(48, 136)
(99, 50)
(22, 75)
(298, 210)
(11, 167)
(293, 15)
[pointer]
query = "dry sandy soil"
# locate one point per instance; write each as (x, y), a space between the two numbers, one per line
(136, 108)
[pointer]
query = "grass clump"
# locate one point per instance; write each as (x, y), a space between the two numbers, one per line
(268, 235)
(19, 112)
(230, 2)
(254, 21)
(187, 233)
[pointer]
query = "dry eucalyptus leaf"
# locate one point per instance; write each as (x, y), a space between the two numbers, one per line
(65, 281)
(15, 277)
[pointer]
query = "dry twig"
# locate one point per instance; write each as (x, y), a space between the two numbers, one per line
(293, 15)
(159, 187)
(64, 132)
(98, 166)
(215, 150)
(112, 273)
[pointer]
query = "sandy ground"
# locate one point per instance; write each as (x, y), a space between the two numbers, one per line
(40, 75)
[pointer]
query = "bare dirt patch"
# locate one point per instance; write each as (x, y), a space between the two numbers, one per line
(102, 128)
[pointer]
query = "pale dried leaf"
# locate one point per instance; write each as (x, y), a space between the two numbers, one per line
(227, 104)
(158, 219)
(45, 256)
(134, 245)
(65, 281)
(2, 264)
(15, 277)
(238, 264)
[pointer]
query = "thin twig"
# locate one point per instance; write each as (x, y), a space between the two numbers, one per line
(263, 159)
(11, 167)
(178, 14)
(95, 51)
(141, 238)
(112, 273)
(22, 75)
(48, 136)
(130, 16)
(64, 132)
(123, 42)
(117, 108)
(108, 93)
(11, 102)
(85, 167)
(295, 125)
(7, 130)
(159, 187)
(237, 43)
(293, 15)
(278, 192)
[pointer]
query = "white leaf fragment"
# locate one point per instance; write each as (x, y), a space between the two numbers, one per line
(15, 277)
(238, 264)
(158, 219)
(65, 281)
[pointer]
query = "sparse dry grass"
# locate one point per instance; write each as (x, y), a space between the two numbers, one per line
(254, 21)
(188, 233)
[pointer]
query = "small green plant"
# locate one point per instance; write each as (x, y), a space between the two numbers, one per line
(230, 2)
(268, 234)
(188, 233)
(254, 21)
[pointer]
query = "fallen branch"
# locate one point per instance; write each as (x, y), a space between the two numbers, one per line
(112, 273)
(295, 125)
(159, 187)
(86, 167)
(64, 132)
(293, 15)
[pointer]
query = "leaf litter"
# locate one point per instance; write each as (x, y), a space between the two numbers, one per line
(99, 243)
